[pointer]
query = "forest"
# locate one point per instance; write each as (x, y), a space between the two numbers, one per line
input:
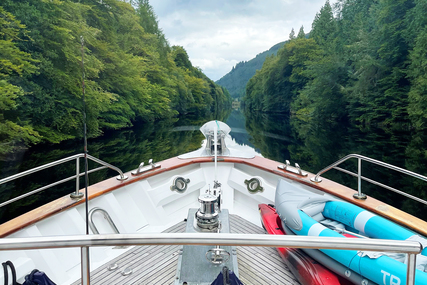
(356, 84)
(364, 63)
(235, 81)
(54, 51)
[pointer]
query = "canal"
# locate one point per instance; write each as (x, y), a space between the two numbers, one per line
(277, 137)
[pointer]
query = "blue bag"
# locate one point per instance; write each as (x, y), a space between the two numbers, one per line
(227, 277)
(36, 277)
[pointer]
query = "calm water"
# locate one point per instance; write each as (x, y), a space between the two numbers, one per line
(275, 137)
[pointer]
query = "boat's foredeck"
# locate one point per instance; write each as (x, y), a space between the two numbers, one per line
(158, 264)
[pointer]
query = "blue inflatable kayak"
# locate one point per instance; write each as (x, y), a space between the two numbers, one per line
(305, 213)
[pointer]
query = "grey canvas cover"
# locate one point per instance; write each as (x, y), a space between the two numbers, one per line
(291, 197)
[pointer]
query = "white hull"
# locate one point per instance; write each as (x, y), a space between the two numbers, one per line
(146, 206)
(145, 203)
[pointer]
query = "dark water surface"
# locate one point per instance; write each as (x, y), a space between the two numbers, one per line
(274, 136)
(315, 146)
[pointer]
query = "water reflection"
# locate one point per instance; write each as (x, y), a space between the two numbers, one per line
(312, 146)
(316, 145)
(125, 149)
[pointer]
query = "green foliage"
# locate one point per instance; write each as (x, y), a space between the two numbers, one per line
(367, 67)
(277, 84)
(292, 34)
(323, 29)
(130, 72)
(363, 80)
(417, 69)
(301, 33)
(14, 65)
(198, 94)
(235, 81)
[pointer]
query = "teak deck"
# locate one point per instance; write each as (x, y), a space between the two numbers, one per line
(158, 264)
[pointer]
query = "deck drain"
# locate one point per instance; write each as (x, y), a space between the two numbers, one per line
(112, 267)
(127, 271)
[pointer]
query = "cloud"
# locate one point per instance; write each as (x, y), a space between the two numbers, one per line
(218, 34)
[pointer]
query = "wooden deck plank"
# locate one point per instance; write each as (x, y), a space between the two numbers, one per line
(144, 272)
(168, 270)
(257, 265)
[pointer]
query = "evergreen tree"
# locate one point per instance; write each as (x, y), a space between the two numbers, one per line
(301, 33)
(380, 92)
(417, 38)
(323, 29)
(292, 34)
(281, 78)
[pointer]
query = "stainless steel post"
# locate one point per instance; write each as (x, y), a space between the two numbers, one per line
(77, 175)
(85, 265)
(359, 194)
(410, 274)
(77, 194)
(359, 175)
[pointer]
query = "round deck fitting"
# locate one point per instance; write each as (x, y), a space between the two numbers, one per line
(180, 184)
(122, 178)
(253, 185)
(76, 196)
(360, 197)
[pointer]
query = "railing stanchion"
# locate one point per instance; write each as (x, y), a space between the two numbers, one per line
(77, 194)
(359, 194)
(77, 175)
(85, 265)
(410, 274)
(359, 179)
(74, 195)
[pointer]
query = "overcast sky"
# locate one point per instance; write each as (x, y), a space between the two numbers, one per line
(217, 34)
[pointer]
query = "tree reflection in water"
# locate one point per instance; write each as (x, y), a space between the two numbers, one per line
(316, 145)
(278, 137)
(125, 148)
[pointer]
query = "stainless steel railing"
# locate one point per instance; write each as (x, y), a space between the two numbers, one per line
(85, 241)
(360, 158)
(61, 161)
(106, 216)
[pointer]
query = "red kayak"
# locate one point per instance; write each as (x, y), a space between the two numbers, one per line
(306, 270)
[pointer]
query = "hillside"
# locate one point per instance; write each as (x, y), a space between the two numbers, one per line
(131, 73)
(235, 81)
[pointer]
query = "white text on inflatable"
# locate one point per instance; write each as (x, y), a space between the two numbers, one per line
(390, 279)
